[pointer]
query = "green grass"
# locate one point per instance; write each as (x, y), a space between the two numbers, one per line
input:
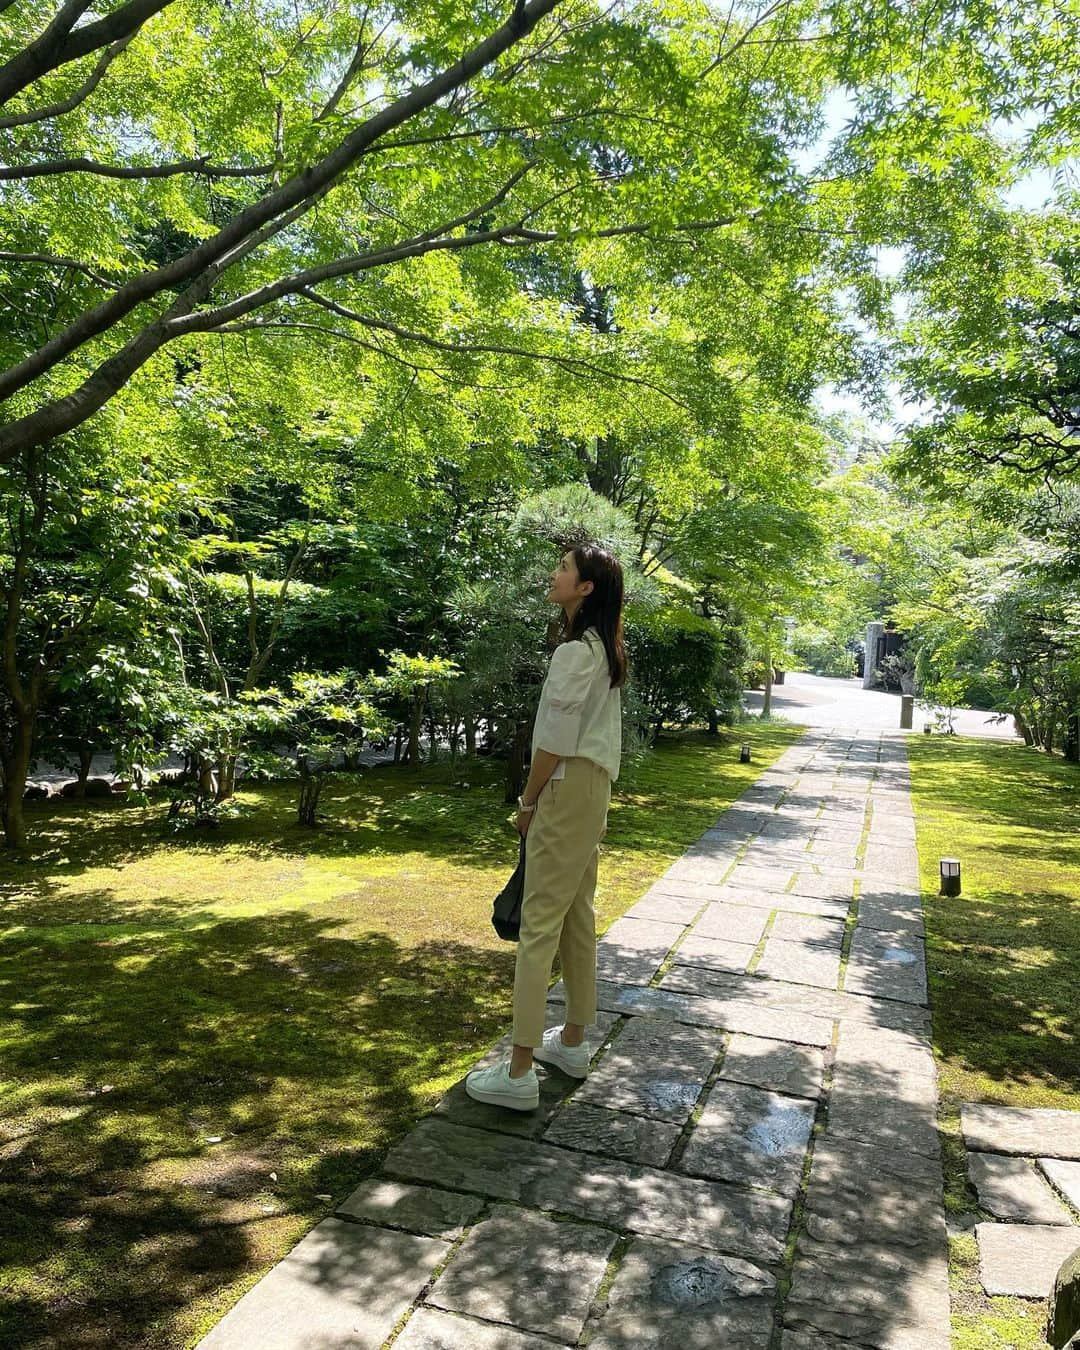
(1004, 968)
(302, 997)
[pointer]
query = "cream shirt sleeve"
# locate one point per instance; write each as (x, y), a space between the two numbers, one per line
(562, 700)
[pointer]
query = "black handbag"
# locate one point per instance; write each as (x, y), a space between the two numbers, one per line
(506, 915)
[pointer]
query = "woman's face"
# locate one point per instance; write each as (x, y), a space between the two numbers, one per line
(566, 587)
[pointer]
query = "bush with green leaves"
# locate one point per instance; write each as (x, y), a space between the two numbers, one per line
(677, 660)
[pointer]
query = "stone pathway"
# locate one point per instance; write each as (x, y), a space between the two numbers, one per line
(753, 1161)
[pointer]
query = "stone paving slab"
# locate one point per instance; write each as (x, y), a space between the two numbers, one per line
(871, 1262)
(344, 1284)
(644, 1200)
(838, 890)
(1065, 1176)
(417, 1209)
(1022, 1258)
(788, 901)
(827, 934)
(528, 1270)
(795, 1070)
(653, 1070)
(768, 879)
(633, 949)
(886, 964)
(1031, 1131)
(675, 1295)
(1009, 1187)
(715, 954)
(432, 1329)
(657, 904)
(707, 870)
(729, 923)
(750, 1135)
(782, 996)
(730, 1014)
(891, 911)
(804, 962)
(615, 1134)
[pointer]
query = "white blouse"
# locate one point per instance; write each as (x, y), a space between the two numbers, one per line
(579, 713)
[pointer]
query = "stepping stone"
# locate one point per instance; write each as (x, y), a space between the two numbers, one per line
(653, 1069)
(418, 1209)
(1031, 1131)
(1010, 1188)
(633, 949)
(430, 1329)
(593, 1129)
(1022, 1258)
(714, 954)
(732, 1014)
(795, 1070)
(886, 965)
(801, 963)
(343, 1284)
(668, 1294)
(746, 1134)
(729, 923)
(1065, 1176)
(526, 1269)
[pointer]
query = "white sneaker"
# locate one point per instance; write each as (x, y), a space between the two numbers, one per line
(495, 1085)
(572, 1059)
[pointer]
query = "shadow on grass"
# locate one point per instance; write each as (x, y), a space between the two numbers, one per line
(1004, 973)
(305, 1052)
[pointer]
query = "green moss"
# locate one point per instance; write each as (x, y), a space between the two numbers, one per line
(301, 997)
(1004, 966)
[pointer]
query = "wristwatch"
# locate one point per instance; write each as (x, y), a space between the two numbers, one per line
(523, 807)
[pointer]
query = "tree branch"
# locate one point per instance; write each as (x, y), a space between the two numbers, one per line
(61, 44)
(56, 260)
(297, 191)
(73, 100)
(202, 167)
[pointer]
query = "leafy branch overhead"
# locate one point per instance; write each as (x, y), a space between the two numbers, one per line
(291, 181)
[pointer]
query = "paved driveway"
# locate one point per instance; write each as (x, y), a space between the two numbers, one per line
(819, 702)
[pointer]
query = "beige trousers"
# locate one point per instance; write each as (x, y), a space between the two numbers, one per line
(562, 849)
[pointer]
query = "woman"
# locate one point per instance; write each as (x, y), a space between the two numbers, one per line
(576, 747)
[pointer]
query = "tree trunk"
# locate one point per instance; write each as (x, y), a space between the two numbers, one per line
(470, 736)
(16, 768)
(714, 722)
(766, 703)
(1021, 724)
(416, 721)
(207, 778)
(398, 736)
(515, 764)
(86, 754)
(433, 748)
(1071, 748)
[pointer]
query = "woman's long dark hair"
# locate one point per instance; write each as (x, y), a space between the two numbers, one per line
(601, 608)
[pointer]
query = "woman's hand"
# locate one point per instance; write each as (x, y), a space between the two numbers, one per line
(523, 819)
